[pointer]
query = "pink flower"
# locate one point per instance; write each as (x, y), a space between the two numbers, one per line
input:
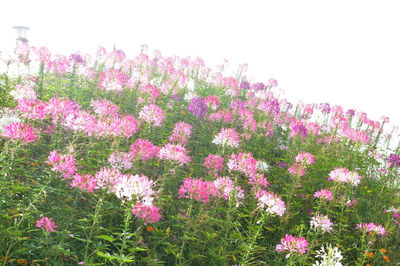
(373, 228)
(181, 133)
(174, 152)
(214, 162)
(104, 108)
(271, 203)
(108, 178)
(343, 175)
(244, 163)
(47, 224)
(195, 188)
(84, 182)
(212, 102)
(120, 160)
(305, 158)
(297, 169)
(228, 137)
(19, 131)
(259, 181)
(150, 214)
(62, 164)
(323, 194)
(144, 149)
(225, 187)
(321, 222)
(292, 244)
(137, 187)
(152, 114)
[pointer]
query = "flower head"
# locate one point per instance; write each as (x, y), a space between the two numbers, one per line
(292, 245)
(47, 224)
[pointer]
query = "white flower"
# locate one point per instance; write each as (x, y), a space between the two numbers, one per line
(330, 257)
(262, 166)
(321, 222)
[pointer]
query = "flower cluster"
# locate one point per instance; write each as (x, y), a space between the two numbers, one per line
(225, 187)
(343, 175)
(196, 188)
(321, 222)
(198, 107)
(271, 203)
(143, 149)
(213, 162)
(150, 214)
(181, 133)
(120, 160)
(228, 137)
(174, 152)
(64, 164)
(152, 114)
(305, 158)
(329, 257)
(84, 182)
(323, 194)
(372, 228)
(244, 163)
(292, 245)
(19, 131)
(47, 224)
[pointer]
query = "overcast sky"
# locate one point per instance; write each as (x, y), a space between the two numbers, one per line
(342, 52)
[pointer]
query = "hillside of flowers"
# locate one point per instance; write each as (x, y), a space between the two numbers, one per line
(110, 160)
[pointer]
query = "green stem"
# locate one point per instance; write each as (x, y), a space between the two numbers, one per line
(128, 215)
(253, 240)
(95, 219)
(179, 257)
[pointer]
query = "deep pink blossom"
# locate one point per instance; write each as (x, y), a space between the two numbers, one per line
(195, 188)
(84, 182)
(47, 224)
(150, 214)
(19, 131)
(143, 149)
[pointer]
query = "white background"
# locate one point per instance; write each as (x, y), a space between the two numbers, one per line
(341, 52)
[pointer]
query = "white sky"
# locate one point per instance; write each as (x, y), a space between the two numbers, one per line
(341, 52)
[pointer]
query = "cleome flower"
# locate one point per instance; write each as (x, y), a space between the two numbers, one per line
(292, 245)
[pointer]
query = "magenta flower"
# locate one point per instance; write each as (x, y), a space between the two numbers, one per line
(305, 158)
(323, 194)
(292, 245)
(62, 164)
(214, 162)
(297, 169)
(244, 163)
(150, 214)
(84, 182)
(181, 133)
(195, 188)
(198, 107)
(19, 131)
(373, 228)
(47, 224)
(143, 149)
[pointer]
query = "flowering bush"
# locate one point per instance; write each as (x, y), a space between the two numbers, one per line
(162, 160)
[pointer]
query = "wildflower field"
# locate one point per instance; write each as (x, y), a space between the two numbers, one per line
(109, 160)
